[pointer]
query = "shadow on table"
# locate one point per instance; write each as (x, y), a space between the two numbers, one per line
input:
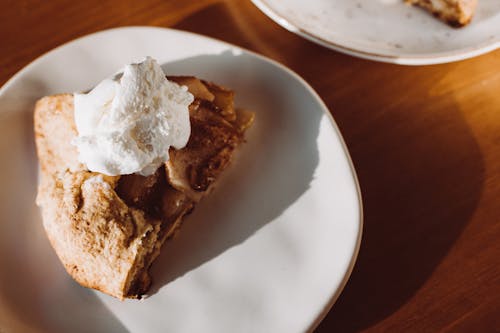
(418, 197)
(418, 194)
(421, 174)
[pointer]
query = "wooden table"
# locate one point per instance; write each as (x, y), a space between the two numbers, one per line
(425, 142)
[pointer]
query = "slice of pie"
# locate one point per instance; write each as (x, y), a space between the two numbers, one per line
(456, 13)
(107, 230)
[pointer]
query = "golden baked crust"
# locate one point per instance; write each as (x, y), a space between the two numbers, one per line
(456, 13)
(108, 230)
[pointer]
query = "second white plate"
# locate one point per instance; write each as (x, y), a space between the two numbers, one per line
(387, 30)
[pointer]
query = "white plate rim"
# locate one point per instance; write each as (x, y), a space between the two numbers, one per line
(406, 59)
(336, 293)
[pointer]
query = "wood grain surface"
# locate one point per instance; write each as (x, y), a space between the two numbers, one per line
(425, 142)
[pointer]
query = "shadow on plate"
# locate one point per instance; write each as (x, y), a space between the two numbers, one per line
(272, 170)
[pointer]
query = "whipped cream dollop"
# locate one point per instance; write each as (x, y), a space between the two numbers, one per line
(127, 124)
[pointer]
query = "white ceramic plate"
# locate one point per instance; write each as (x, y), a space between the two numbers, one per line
(387, 30)
(269, 251)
